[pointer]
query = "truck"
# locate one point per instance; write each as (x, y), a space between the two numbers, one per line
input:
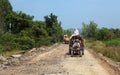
(76, 46)
(66, 39)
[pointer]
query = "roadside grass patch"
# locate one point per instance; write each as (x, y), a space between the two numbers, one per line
(114, 42)
(9, 53)
(112, 52)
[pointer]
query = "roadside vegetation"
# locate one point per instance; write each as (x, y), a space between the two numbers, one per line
(18, 30)
(113, 42)
(112, 52)
(104, 40)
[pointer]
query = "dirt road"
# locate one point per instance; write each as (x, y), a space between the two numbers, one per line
(57, 62)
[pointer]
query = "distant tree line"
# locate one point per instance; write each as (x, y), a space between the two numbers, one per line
(18, 30)
(92, 31)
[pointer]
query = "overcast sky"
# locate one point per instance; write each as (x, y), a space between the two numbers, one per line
(106, 13)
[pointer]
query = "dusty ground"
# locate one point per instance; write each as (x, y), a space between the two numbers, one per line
(55, 61)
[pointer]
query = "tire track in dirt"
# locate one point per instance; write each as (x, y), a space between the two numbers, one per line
(56, 61)
(86, 65)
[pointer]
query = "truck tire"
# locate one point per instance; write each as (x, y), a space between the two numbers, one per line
(72, 53)
(80, 53)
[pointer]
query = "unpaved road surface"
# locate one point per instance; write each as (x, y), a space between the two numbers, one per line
(56, 62)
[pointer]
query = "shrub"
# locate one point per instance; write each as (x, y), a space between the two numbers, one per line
(43, 41)
(112, 52)
(7, 40)
(1, 50)
(25, 42)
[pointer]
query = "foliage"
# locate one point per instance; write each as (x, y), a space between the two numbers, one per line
(1, 50)
(91, 31)
(19, 31)
(113, 42)
(110, 40)
(7, 42)
(19, 21)
(112, 52)
(5, 9)
(25, 42)
(54, 28)
(68, 32)
(39, 29)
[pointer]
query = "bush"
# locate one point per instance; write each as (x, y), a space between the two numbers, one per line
(43, 41)
(112, 52)
(1, 50)
(7, 40)
(25, 42)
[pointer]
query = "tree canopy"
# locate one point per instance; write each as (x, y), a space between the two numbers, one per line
(92, 31)
(5, 9)
(20, 31)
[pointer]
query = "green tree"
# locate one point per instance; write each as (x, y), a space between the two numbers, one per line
(116, 32)
(54, 28)
(68, 32)
(84, 30)
(7, 41)
(40, 34)
(89, 30)
(19, 21)
(102, 34)
(5, 9)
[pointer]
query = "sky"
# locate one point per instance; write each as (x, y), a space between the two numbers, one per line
(72, 13)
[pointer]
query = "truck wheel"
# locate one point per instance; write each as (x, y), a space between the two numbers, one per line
(72, 53)
(80, 53)
(69, 51)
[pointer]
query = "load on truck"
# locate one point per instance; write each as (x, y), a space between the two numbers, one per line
(66, 39)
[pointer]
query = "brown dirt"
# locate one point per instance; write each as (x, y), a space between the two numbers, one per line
(55, 61)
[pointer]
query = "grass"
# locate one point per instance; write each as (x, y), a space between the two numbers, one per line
(9, 53)
(114, 42)
(111, 51)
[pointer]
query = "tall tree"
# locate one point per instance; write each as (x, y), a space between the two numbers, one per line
(5, 9)
(89, 30)
(53, 28)
(19, 21)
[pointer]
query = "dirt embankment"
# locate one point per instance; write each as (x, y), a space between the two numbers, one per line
(54, 60)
